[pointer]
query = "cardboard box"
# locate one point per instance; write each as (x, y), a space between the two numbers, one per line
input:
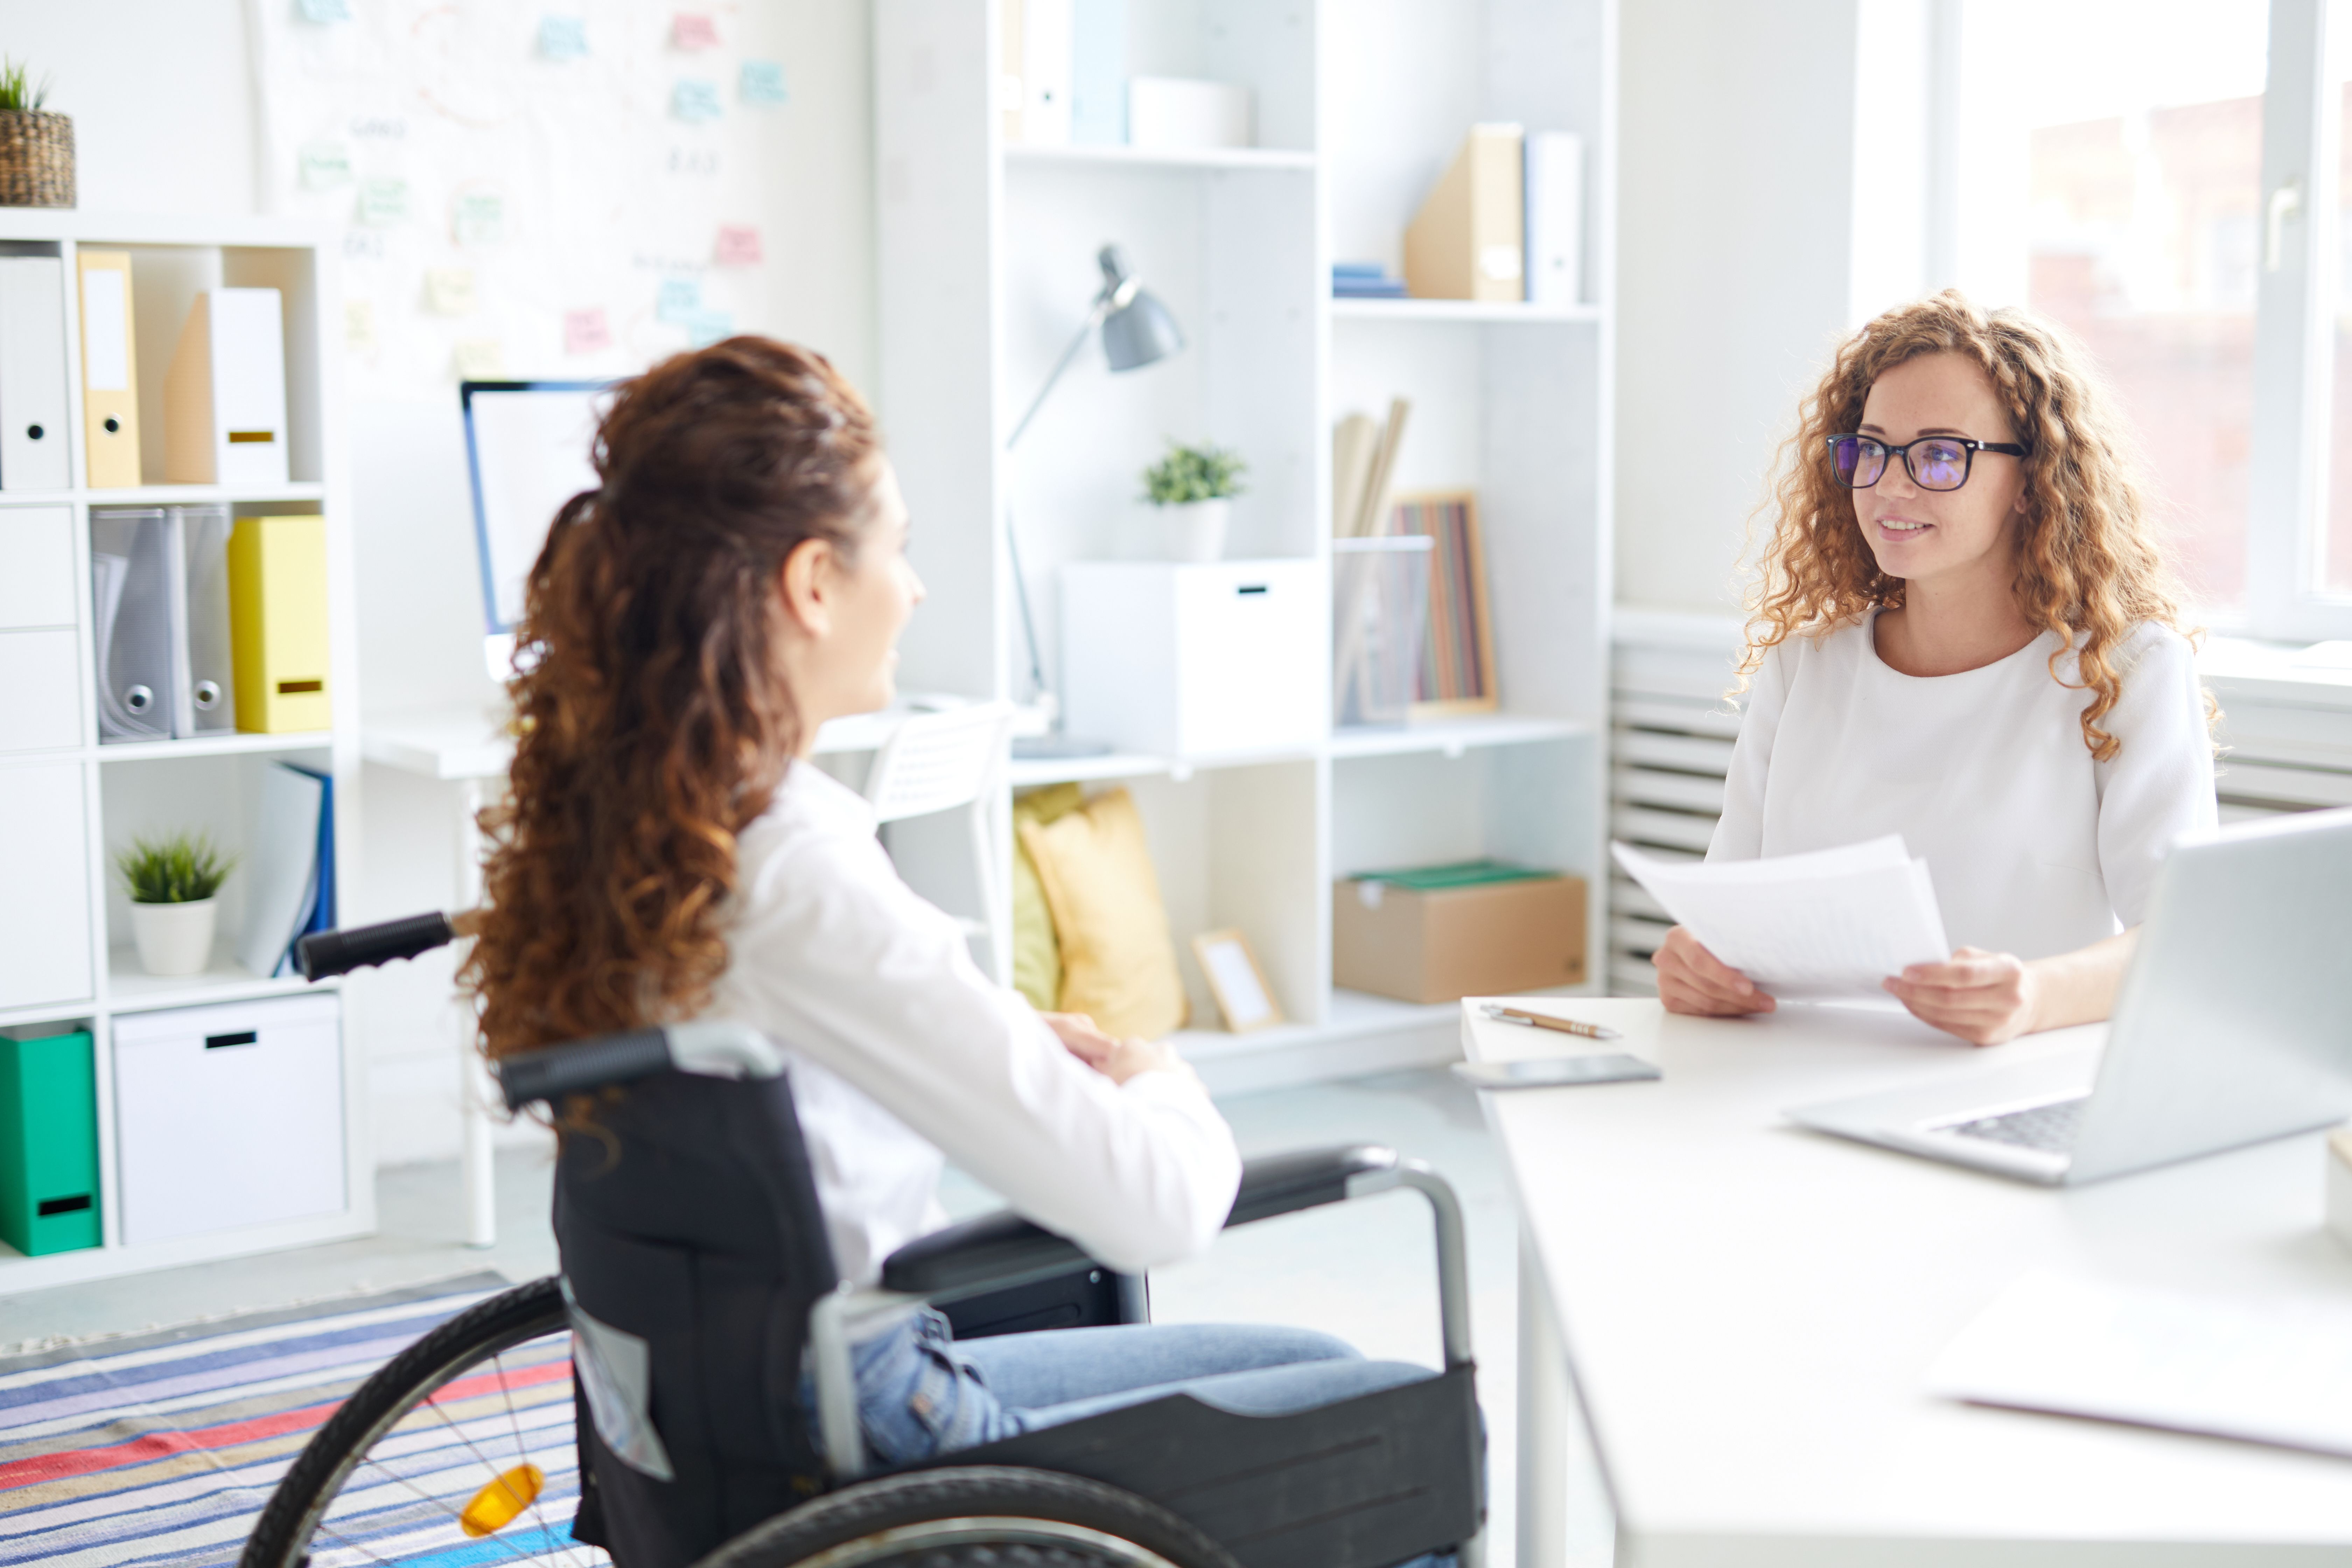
(1441, 944)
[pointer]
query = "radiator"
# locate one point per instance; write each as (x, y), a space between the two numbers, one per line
(2287, 747)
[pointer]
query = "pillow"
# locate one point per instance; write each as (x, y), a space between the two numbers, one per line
(1036, 956)
(1118, 964)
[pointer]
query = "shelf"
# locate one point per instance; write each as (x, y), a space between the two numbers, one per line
(235, 744)
(1451, 736)
(48, 1013)
(1275, 158)
(1027, 771)
(198, 495)
(1460, 310)
(127, 990)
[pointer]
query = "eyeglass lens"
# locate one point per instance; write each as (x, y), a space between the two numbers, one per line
(1933, 465)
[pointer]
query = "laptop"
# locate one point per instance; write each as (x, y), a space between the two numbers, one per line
(2233, 1026)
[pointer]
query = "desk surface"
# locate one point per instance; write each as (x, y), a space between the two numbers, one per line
(1751, 1310)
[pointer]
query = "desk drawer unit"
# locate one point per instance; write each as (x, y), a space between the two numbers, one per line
(228, 1116)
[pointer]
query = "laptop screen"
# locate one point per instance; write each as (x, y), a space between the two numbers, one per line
(527, 444)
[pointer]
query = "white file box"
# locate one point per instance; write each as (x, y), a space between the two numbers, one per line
(228, 1117)
(224, 396)
(45, 955)
(33, 453)
(1193, 660)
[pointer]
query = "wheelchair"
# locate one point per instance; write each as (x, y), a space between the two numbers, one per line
(698, 1307)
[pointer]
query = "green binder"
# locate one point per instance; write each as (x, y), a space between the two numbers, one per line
(49, 1145)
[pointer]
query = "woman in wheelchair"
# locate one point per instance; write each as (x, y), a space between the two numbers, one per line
(669, 853)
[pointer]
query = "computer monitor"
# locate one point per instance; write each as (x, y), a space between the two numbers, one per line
(527, 451)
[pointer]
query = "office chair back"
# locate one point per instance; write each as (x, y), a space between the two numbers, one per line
(936, 761)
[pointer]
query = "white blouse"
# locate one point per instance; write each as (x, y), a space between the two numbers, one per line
(2034, 846)
(903, 1055)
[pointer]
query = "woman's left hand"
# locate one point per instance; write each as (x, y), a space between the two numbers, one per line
(1983, 997)
(1080, 1038)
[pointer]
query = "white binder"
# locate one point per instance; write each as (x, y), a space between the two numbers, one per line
(33, 454)
(224, 396)
(1555, 216)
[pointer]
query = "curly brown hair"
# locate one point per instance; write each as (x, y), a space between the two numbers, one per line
(653, 725)
(2090, 566)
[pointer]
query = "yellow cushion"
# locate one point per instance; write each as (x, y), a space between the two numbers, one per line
(1036, 956)
(1118, 964)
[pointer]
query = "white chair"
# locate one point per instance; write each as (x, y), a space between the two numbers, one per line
(941, 761)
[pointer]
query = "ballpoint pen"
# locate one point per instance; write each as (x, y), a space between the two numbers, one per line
(1545, 1021)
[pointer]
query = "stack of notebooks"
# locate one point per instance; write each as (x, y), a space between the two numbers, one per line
(1364, 281)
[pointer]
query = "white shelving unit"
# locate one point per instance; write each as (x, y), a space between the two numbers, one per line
(209, 783)
(986, 265)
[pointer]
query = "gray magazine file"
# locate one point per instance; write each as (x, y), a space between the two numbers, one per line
(210, 687)
(138, 617)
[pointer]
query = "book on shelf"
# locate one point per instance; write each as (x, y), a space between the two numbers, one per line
(1468, 241)
(1457, 661)
(1364, 281)
(290, 867)
(1554, 217)
(1364, 463)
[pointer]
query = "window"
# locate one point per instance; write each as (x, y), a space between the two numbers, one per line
(2147, 174)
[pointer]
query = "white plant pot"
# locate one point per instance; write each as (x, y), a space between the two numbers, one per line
(1196, 530)
(175, 939)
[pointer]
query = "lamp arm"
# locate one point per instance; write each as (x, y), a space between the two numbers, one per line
(1104, 302)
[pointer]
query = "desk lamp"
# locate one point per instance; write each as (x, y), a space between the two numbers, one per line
(1136, 330)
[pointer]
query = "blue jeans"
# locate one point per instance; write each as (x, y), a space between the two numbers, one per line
(921, 1393)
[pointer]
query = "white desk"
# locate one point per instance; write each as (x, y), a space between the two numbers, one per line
(1751, 1311)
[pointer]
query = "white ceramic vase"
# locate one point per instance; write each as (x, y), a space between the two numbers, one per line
(1196, 530)
(175, 939)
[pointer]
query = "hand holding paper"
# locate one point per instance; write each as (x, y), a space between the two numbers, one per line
(1832, 923)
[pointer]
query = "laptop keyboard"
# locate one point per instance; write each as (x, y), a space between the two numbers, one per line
(2047, 1127)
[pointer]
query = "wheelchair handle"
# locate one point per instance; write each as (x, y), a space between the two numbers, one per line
(709, 1048)
(324, 953)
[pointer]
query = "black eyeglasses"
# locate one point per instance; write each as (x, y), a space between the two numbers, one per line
(1934, 462)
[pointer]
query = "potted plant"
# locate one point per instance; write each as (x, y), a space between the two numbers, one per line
(1195, 487)
(173, 882)
(37, 148)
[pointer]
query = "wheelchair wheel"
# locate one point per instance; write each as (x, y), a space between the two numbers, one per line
(975, 1516)
(459, 1450)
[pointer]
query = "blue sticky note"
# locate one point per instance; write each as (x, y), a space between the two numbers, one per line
(680, 301)
(709, 326)
(763, 82)
(694, 99)
(325, 10)
(562, 38)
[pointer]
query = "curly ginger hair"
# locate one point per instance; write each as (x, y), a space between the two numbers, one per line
(653, 722)
(2090, 564)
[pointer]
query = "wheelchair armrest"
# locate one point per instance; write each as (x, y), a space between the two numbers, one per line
(1304, 1179)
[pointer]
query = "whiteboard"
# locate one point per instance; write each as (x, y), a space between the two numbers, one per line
(527, 446)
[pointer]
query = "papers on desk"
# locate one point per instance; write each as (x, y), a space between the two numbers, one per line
(2269, 1370)
(1831, 923)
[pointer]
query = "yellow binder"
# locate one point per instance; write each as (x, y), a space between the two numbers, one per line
(110, 369)
(277, 623)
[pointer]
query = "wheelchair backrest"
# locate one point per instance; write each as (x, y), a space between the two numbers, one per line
(692, 1247)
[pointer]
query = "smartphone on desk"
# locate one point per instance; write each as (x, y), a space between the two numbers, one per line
(1555, 1072)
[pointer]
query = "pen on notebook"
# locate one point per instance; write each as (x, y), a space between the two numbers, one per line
(1545, 1021)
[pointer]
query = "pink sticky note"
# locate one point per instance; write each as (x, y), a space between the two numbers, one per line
(739, 245)
(693, 30)
(584, 330)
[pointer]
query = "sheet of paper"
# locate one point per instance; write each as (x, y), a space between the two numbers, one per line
(1829, 924)
(2267, 1370)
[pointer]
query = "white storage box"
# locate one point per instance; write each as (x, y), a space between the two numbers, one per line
(228, 1116)
(1193, 660)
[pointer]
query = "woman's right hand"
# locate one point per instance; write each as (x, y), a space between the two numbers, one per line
(1131, 1057)
(1693, 980)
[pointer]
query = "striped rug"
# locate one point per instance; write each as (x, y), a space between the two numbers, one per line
(161, 1447)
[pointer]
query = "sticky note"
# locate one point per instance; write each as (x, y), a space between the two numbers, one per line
(694, 99)
(739, 246)
(480, 359)
(693, 30)
(383, 202)
(323, 165)
(449, 291)
(709, 326)
(358, 326)
(584, 332)
(763, 82)
(562, 38)
(481, 218)
(679, 300)
(326, 10)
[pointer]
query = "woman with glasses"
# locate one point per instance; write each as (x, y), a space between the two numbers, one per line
(1966, 632)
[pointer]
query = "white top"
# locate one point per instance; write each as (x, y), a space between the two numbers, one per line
(903, 1055)
(2034, 847)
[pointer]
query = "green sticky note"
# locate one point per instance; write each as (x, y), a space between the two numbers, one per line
(481, 219)
(763, 81)
(323, 165)
(384, 203)
(695, 100)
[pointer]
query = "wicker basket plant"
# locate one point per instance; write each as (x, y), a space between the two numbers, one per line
(37, 148)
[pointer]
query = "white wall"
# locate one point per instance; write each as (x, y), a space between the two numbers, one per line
(163, 101)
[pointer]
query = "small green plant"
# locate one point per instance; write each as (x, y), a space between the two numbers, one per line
(1188, 474)
(178, 869)
(18, 93)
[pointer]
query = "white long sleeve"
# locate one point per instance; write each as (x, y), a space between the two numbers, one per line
(902, 1051)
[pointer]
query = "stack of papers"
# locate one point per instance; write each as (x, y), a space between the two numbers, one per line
(1833, 924)
(2275, 1370)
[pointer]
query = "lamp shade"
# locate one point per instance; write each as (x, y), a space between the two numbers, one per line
(1138, 330)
